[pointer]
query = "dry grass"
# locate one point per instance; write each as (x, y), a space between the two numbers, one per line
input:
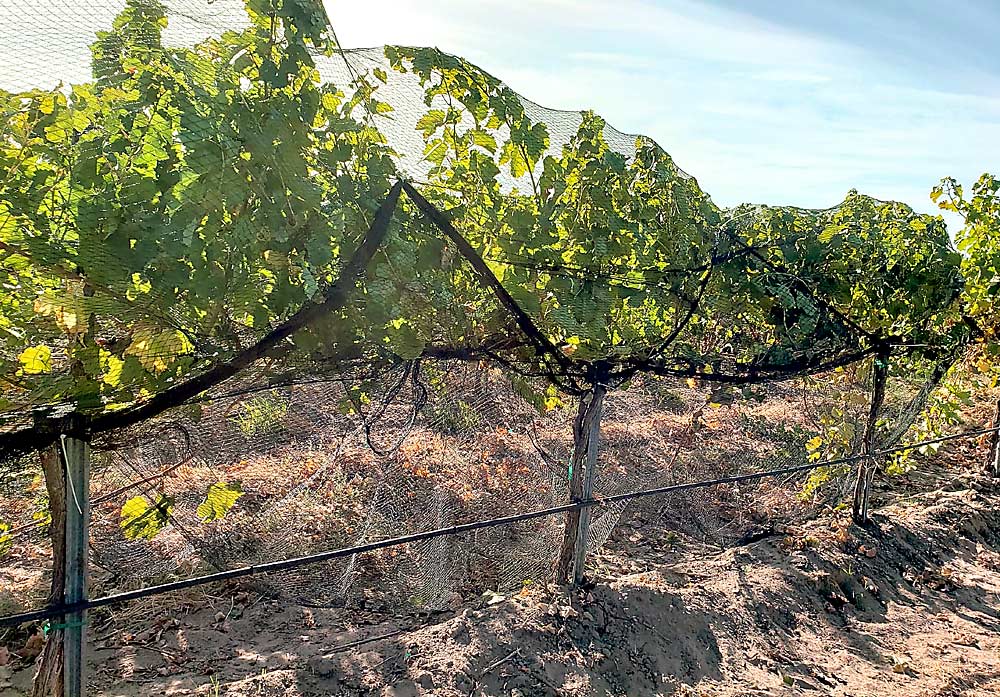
(470, 457)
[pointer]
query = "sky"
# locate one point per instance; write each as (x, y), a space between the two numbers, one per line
(773, 101)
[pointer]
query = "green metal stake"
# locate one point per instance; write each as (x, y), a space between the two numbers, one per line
(593, 435)
(76, 460)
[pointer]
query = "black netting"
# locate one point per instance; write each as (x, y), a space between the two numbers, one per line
(432, 446)
(215, 211)
(451, 445)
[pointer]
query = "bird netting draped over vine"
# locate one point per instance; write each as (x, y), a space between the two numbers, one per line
(305, 298)
(260, 472)
(185, 176)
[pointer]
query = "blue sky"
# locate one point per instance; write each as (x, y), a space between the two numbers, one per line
(773, 101)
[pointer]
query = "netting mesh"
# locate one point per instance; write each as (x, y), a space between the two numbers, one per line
(312, 478)
(451, 444)
(25, 553)
(198, 209)
(407, 94)
(193, 173)
(158, 125)
(48, 45)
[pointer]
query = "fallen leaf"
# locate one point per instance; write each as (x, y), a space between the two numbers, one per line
(32, 647)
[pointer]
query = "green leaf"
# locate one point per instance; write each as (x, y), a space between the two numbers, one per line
(829, 232)
(430, 122)
(512, 156)
(404, 340)
(484, 140)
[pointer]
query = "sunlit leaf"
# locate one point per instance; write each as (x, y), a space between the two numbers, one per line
(218, 500)
(144, 520)
(36, 359)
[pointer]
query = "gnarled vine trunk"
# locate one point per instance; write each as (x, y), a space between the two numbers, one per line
(868, 464)
(585, 428)
(49, 677)
(993, 456)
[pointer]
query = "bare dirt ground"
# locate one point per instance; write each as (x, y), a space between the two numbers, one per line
(910, 607)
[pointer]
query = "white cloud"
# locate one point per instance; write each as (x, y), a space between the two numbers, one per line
(547, 27)
(754, 111)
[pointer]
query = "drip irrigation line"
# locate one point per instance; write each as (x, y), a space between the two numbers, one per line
(281, 565)
(295, 562)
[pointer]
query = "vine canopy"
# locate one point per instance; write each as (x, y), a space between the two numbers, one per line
(183, 177)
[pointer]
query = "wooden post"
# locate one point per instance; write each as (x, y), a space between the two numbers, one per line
(867, 466)
(586, 432)
(77, 462)
(993, 457)
(49, 677)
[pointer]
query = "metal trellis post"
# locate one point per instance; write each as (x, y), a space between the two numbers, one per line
(593, 440)
(76, 459)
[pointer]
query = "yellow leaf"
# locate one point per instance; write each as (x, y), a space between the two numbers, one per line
(218, 500)
(45, 306)
(552, 403)
(142, 520)
(156, 350)
(112, 366)
(68, 310)
(47, 104)
(68, 320)
(36, 359)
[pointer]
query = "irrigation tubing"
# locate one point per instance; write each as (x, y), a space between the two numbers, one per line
(295, 562)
